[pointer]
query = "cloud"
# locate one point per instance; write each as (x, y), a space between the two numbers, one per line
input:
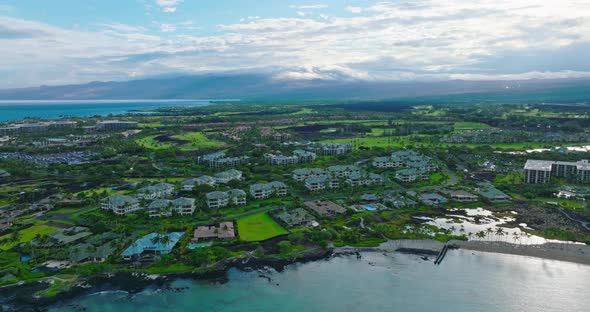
(353, 9)
(308, 7)
(418, 40)
(167, 28)
(168, 6)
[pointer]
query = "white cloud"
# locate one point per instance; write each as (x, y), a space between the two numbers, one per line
(353, 9)
(167, 28)
(437, 39)
(308, 7)
(168, 6)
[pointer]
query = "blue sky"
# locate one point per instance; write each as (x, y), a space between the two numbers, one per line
(72, 41)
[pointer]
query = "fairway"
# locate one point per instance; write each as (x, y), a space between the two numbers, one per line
(259, 227)
(197, 140)
(27, 235)
(462, 126)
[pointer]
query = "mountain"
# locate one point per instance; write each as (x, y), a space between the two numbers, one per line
(259, 86)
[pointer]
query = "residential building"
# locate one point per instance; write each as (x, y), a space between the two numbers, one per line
(411, 175)
(218, 160)
(19, 128)
(315, 184)
(224, 231)
(433, 199)
(325, 208)
(220, 199)
(160, 190)
(263, 191)
(541, 171)
(295, 217)
(462, 196)
(227, 176)
(491, 193)
(4, 174)
(301, 175)
(160, 208)
(121, 205)
(299, 156)
(115, 125)
(332, 149)
(343, 171)
(358, 179)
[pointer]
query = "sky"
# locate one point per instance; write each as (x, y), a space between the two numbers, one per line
(54, 42)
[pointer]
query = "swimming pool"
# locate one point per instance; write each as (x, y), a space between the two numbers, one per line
(369, 207)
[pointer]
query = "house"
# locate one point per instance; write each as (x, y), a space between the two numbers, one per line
(541, 171)
(121, 205)
(152, 244)
(188, 185)
(69, 235)
(227, 176)
(295, 217)
(220, 199)
(462, 196)
(160, 190)
(301, 175)
(399, 201)
(433, 199)
(369, 198)
(84, 252)
(224, 231)
(343, 171)
(494, 195)
(263, 191)
(4, 174)
(315, 184)
(325, 208)
(184, 206)
(411, 175)
(160, 208)
(206, 180)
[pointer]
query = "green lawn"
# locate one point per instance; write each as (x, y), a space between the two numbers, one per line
(198, 140)
(259, 227)
(27, 235)
(150, 143)
(461, 126)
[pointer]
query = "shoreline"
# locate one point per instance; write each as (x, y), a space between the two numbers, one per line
(21, 296)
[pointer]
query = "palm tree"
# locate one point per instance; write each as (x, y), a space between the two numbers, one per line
(469, 235)
(515, 236)
(489, 232)
(500, 232)
(481, 235)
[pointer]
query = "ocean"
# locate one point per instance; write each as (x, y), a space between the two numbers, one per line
(17, 110)
(466, 281)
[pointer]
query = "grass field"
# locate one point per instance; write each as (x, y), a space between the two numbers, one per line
(462, 126)
(197, 140)
(27, 235)
(259, 227)
(151, 143)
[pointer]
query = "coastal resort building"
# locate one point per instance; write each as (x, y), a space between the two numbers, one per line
(299, 156)
(325, 208)
(266, 190)
(343, 171)
(411, 175)
(220, 199)
(219, 160)
(332, 149)
(358, 179)
(541, 171)
(120, 205)
(152, 244)
(223, 231)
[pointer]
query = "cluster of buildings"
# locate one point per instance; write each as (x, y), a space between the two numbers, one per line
(111, 125)
(36, 127)
(159, 206)
(219, 160)
(266, 190)
(219, 199)
(541, 171)
(331, 149)
(317, 179)
(218, 178)
(299, 156)
(417, 166)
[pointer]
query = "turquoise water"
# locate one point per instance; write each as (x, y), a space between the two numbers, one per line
(16, 110)
(369, 208)
(465, 282)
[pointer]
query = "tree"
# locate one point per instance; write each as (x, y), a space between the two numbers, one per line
(285, 247)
